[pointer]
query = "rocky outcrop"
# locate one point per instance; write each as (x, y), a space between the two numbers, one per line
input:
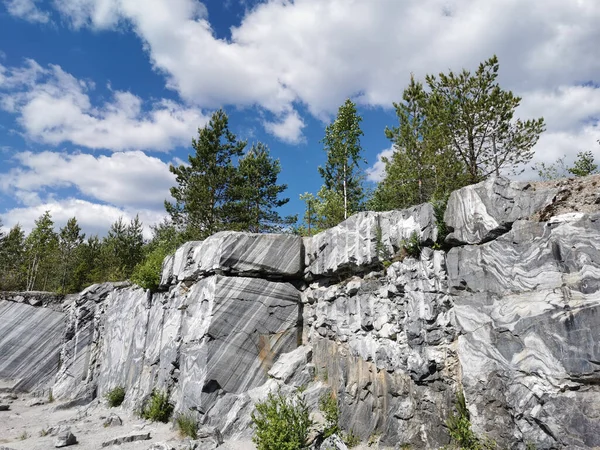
(30, 340)
(365, 239)
(509, 316)
(528, 305)
(481, 212)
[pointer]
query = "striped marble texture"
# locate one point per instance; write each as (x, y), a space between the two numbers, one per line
(30, 341)
(483, 211)
(236, 253)
(528, 304)
(363, 239)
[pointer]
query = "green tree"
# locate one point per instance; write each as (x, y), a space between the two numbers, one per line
(477, 115)
(70, 238)
(202, 204)
(341, 174)
(12, 255)
(256, 193)
(134, 241)
(423, 166)
(584, 165)
(41, 251)
(91, 267)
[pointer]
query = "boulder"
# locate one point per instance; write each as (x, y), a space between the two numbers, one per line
(481, 212)
(233, 253)
(367, 238)
(125, 439)
(333, 442)
(65, 439)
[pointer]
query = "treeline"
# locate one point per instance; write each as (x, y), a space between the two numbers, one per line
(65, 260)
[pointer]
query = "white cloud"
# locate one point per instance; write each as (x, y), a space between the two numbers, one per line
(129, 179)
(54, 107)
(27, 10)
(288, 129)
(376, 172)
(93, 218)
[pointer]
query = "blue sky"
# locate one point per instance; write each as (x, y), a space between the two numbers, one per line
(98, 97)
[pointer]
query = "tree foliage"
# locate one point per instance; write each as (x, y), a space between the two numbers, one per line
(477, 117)
(584, 165)
(202, 196)
(341, 174)
(256, 194)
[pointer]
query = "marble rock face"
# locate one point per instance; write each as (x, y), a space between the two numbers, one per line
(30, 341)
(221, 335)
(528, 305)
(384, 344)
(364, 239)
(235, 253)
(481, 212)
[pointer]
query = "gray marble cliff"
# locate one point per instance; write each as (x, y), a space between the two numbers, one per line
(510, 314)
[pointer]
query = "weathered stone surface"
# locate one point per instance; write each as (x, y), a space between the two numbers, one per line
(364, 239)
(385, 348)
(128, 438)
(65, 439)
(112, 421)
(529, 306)
(482, 212)
(30, 341)
(289, 364)
(4, 407)
(234, 253)
(333, 442)
(83, 338)
(50, 300)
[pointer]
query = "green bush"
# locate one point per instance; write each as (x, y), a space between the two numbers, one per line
(351, 439)
(158, 408)
(412, 245)
(188, 426)
(115, 396)
(281, 422)
(329, 407)
(147, 273)
(459, 427)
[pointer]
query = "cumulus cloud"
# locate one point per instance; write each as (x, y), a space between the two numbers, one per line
(128, 179)
(27, 10)
(54, 107)
(288, 129)
(376, 172)
(93, 218)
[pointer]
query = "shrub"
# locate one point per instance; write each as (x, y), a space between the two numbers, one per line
(147, 273)
(412, 245)
(329, 407)
(351, 439)
(158, 408)
(115, 396)
(459, 427)
(281, 422)
(188, 426)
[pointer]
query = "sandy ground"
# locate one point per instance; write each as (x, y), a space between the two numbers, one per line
(23, 426)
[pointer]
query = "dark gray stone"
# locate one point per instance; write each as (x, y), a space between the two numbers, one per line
(126, 439)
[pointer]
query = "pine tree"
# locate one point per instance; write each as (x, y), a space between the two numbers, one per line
(202, 205)
(422, 166)
(70, 239)
(12, 256)
(341, 173)
(478, 117)
(256, 193)
(41, 251)
(134, 241)
(584, 165)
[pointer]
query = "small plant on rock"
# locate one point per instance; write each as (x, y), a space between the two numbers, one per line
(459, 427)
(281, 422)
(412, 245)
(351, 439)
(329, 407)
(188, 426)
(115, 396)
(24, 435)
(158, 408)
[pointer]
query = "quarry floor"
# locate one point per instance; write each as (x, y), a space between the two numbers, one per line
(23, 426)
